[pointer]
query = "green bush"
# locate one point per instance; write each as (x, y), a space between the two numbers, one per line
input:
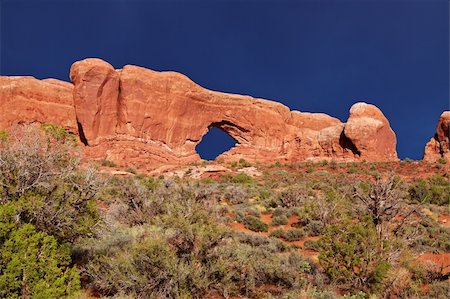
(39, 177)
(277, 233)
(436, 190)
(108, 163)
(294, 234)
(311, 245)
(345, 247)
(242, 178)
(255, 224)
(186, 256)
(279, 220)
(279, 212)
(314, 227)
(3, 136)
(58, 133)
(32, 263)
(352, 169)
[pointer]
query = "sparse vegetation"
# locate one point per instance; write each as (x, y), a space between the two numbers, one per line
(64, 228)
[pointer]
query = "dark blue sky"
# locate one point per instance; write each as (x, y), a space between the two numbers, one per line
(316, 55)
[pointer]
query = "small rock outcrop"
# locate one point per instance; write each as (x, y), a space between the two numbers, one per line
(439, 146)
(148, 119)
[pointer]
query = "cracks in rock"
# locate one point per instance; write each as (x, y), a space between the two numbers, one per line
(81, 134)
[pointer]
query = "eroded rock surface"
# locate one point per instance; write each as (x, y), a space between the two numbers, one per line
(147, 119)
(439, 146)
(29, 100)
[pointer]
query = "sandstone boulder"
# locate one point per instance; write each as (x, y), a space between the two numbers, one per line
(439, 146)
(369, 133)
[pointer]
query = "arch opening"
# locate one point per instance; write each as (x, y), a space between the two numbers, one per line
(214, 143)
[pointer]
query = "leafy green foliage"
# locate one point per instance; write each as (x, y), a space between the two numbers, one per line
(242, 178)
(39, 177)
(32, 264)
(352, 256)
(58, 133)
(435, 190)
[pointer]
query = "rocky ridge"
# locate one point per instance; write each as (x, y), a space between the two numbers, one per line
(439, 145)
(151, 120)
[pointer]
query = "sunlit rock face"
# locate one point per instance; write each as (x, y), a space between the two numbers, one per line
(439, 145)
(148, 119)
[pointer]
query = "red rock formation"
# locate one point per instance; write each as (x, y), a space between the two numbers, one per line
(147, 119)
(439, 146)
(28, 100)
(95, 97)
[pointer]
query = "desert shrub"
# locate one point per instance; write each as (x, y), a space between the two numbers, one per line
(253, 212)
(243, 271)
(279, 220)
(333, 164)
(269, 244)
(279, 212)
(427, 235)
(435, 190)
(58, 133)
(148, 268)
(293, 197)
(347, 246)
(39, 176)
(186, 254)
(314, 228)
(255, 224)
(442, 160)
(277, 233)
(310, 169)
(264, 194)
(208, 192)
(108, 163)
(33, 264)
(294, 234)
(235, 194)
(312, 245)
(438, 290)
(244, 163)
(30, 161)
(3, 136)
(242, 178)
(352, 169)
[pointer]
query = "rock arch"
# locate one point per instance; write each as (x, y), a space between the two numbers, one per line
(148, 119)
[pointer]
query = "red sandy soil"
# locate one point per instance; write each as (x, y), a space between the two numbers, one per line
(441, 260)
(444, 219)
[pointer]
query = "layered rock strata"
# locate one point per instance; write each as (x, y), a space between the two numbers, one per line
(147, 119)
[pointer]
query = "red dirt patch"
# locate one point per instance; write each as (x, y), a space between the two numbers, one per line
(444, 219)
(441, 260)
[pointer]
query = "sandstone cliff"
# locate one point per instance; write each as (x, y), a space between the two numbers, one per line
(147, 119)
(439, 146)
